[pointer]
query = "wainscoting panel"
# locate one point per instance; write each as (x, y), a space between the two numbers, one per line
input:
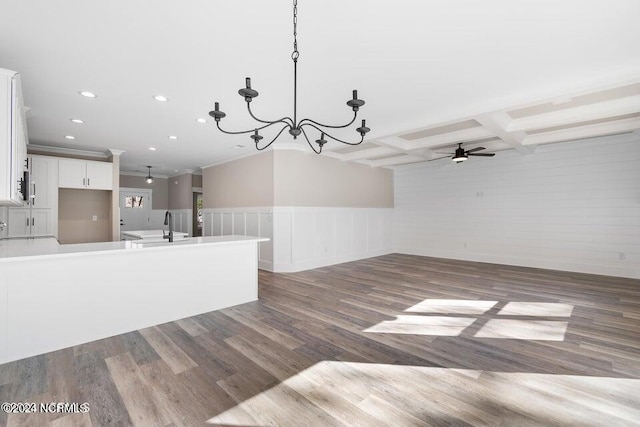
(302, 238)
(244, 222)
(182, 220)
(312, 237)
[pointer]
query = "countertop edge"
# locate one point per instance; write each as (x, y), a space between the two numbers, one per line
(124, 250)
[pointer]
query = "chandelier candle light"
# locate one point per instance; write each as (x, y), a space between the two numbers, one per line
(296, 128)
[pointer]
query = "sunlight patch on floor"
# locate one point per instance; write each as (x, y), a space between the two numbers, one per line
(539, 330)
(541, 309)
(349, 393)
(452, 306)
(423, 325)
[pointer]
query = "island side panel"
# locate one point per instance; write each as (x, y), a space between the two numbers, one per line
(4, 318)
(65, 301)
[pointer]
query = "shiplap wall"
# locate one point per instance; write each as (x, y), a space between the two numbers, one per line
(571, 206)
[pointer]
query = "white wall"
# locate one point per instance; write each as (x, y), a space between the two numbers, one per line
(571, 206)
(302, 238)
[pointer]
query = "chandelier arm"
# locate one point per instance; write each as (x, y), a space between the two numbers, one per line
(355, 116)
(309, 142)
(266, 121)
(250, 130)
(271, 142)
(332, 137)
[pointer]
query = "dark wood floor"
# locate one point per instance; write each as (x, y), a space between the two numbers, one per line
(337, 346)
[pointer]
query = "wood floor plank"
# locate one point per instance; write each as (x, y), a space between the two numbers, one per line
(73, 420)
(307, 353)
(96, 387)
(192, 326)
(173, 355)
(142, 401)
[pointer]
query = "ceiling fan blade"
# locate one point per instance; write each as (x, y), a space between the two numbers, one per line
(482, 154)
(451, 154)
(445, 157)
(473, 150)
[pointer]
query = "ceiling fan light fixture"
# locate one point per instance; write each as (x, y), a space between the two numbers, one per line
(459, 159)
(149, 177)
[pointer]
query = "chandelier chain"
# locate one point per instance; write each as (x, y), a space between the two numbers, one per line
(295, 54)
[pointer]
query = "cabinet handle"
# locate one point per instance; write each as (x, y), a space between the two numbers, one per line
(33, 221)
(88, 182)
(27, 222)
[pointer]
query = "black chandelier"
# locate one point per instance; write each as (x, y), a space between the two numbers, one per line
(295, 127)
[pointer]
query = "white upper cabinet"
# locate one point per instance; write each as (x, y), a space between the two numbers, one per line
(44, 182)
(13, 138)
(72, 173)
(85, 174)
(99, 176)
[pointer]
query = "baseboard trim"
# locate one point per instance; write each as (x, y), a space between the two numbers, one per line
(324, 262)
(574, 267)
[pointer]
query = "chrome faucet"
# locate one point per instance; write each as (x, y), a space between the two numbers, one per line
(168, 220)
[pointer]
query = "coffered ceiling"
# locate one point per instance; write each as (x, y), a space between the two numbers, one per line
(498, 74)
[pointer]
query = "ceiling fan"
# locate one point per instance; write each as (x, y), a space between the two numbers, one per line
(461, 154)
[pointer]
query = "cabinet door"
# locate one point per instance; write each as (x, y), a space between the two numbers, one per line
(44, 182)
(99, 176)
(41, 222)
(72, 173)
(19, 222)
(3, 219)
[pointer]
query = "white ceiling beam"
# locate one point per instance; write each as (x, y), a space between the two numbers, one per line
(368, 153)
(465, 135)
(600, 110)
(398, 160)
(589, 131)
(403, 146)
(399, 144)
(497, 123)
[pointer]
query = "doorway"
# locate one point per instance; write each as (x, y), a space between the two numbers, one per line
(197, 214)
(135, 205)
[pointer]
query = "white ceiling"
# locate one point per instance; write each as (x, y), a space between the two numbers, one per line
(417, 64)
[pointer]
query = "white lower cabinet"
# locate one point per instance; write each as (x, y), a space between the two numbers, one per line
(41, 224)
(25, 222)
(19, 222)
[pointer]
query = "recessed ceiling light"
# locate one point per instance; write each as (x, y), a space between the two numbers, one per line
(152, 148)
(201, 120)
(173, 137)
(70, 137)
(161, 98)
(238, 146)
(77, 121)
(88, 94)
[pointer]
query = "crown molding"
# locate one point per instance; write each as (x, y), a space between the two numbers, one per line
(143, 174)
(115, 152)
(69, 151)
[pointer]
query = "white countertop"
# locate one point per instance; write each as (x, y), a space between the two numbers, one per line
(23, 249)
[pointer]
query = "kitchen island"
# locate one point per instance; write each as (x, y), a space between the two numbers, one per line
(55, 296)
